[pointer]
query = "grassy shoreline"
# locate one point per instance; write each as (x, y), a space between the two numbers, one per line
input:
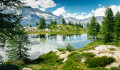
(51, 61)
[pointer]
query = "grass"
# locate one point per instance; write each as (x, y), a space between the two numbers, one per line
(87, 55)
(49, 61)
(70, 48)
(60, 29)
(89, 46)
(70, 65)
(112, 49)
(75, 56)
(99, 61)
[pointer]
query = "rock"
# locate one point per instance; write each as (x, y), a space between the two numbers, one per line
(83, 60)
(26, 69)
(103, 50)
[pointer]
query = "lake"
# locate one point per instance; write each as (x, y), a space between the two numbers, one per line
(44, 43)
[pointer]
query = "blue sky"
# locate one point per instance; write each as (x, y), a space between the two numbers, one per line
(78, 9)
(79, 6)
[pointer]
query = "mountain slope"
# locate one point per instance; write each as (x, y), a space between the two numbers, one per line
(33, 15)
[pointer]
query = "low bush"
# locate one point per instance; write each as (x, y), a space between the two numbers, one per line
(70, 48)
(87, 55)
(50, 58)
(13, 65)
(61, 49)
(99, 68)
(112, 49)
(70, 65)
(99, 61)
(75, 56)
(89, 46)
(44, 69)
(114, 68)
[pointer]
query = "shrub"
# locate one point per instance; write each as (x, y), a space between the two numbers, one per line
(112, 49)
(75, 56)
(99, 61)
(70, 65)
(114, 68)
(70, 48)
(44, 69)
(99, 68)
(87, 55)
(61, 49)
(13, 65)
(50, 58)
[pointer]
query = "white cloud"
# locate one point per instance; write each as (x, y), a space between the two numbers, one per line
(41, 4)
(99, 5)
(59, 11)
(97, 12)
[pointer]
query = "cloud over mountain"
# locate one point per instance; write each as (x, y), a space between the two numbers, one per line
(41, 4)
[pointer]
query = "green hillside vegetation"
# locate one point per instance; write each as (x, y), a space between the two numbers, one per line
(59, 29)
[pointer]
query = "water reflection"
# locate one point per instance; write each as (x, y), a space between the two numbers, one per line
(43, 43)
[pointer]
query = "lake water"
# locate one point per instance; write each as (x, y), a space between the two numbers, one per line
(41, 43)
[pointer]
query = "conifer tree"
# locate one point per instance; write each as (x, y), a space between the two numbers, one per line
(63, 21)
(54, 22)
(69, 23)
(108, 26)
(42, 23)
(117, 27)
(93, 28)
(36, 24)
(16, 45)
(9, 20)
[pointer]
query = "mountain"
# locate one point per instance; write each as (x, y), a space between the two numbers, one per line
(87, 20)
(33, 15)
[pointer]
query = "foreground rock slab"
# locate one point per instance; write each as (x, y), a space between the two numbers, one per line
(26, 69)
(104, 50)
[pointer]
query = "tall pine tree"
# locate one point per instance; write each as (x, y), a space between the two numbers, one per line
(63, 21)
(108, 26)
(16, 46)
(42, 23)
(117, 27)
(93, 29)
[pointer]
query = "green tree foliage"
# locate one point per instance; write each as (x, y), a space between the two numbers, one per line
(16, 45)
(70, 48)
(80, 25)
(63, 21)
(36, 23)
(87, 25)
(117, 27)
(70, 23)
(42, 23)
(51, 22)
(54, 22)
(93, 28)
(99, 61)
(108, 26)
(30, 25)
(9, 20)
